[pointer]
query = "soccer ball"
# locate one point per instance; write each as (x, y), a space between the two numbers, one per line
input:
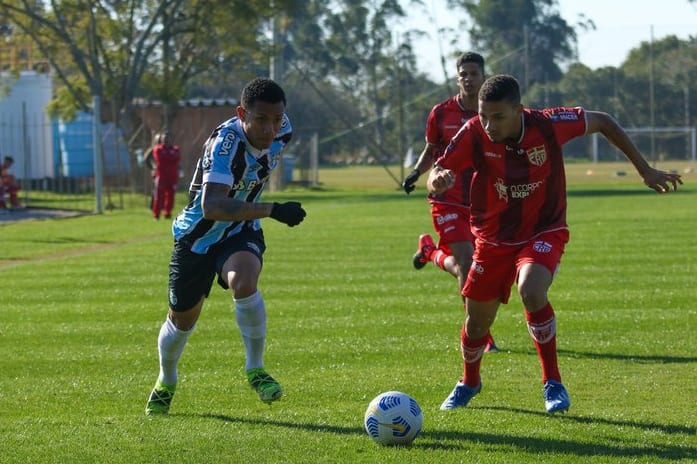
(393, 418)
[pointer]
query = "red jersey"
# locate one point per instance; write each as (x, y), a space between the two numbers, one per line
(518, 188)
(444, 120)
(166, 162)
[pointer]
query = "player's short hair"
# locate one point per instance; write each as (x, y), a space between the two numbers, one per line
(471, 57)
(263, 89)
(9, 159)
(500, 87)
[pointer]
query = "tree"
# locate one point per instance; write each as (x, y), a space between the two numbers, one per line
(525, 38)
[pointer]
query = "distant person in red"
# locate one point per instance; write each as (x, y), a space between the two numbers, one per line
(518, 217)
(8, 184)
(165, 158)
(450, 211)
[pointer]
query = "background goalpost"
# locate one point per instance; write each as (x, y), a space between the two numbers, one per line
(655, 143)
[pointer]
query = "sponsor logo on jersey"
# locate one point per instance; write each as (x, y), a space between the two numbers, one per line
(247, 185)
(515, 191)
(490, 154)
(226, 144)
(541, 246)
(537, 155)
(206, 161)
(448, 217)
(567, 116)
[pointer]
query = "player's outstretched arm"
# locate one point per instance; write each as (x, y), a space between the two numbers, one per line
(655, 179)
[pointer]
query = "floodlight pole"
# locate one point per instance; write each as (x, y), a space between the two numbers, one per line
(97, 151)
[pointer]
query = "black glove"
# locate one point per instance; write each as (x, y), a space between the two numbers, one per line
(290, 213)
(410, 180)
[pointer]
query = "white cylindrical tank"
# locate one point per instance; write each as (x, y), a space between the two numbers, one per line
(25, 127)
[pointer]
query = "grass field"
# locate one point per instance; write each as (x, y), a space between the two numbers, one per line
(83, 300)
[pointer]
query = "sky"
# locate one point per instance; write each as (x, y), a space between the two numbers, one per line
(621, 25)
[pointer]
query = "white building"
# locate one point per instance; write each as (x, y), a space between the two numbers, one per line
(25, 128)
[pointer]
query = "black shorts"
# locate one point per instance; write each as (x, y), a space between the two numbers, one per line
(191, 274)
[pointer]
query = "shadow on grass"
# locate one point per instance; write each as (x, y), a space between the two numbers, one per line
(447, 440)
(647, 426)
(645, 359)
(608, 192)
(356, 196)
(631, 357)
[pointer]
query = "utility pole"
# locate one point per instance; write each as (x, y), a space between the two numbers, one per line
(651, 101)
(526, 58)
(97, 150)
(276, 73)
(166, 62)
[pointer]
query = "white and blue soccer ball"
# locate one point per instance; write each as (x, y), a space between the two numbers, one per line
(393, 418)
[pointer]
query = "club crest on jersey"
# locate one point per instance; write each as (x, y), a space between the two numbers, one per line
(537, 155)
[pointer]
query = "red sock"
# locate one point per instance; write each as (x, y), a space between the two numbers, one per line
(438, 257)
(472, 351)
(542, 326)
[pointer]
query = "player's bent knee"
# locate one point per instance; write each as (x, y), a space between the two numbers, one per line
(243, 288)
(533, 300)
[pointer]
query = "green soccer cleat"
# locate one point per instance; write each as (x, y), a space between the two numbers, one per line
(160, 399)
(268, 388)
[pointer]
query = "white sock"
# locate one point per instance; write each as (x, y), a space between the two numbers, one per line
(250, 313)
(170, 344)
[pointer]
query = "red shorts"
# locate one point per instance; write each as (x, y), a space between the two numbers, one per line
(451, 223)
(495, 267)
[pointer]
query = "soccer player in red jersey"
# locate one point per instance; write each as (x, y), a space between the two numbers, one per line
(166, 159)
(450, 209)
(518, 215)
(8, 184)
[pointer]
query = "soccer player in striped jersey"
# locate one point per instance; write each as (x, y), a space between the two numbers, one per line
(219, 234)
(518, 208)
(450, 210)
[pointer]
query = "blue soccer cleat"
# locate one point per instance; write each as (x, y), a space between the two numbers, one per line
(460, 396)
(556, 397)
